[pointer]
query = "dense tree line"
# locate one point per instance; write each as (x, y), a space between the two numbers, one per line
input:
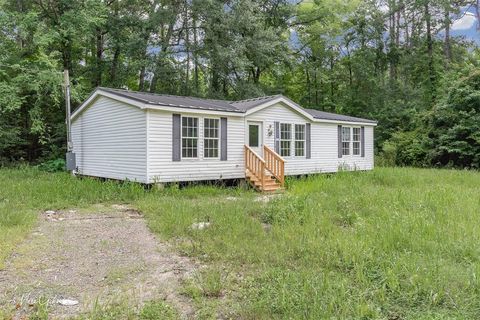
(391, 60)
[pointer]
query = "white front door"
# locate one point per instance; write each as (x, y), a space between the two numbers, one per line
(254, 138)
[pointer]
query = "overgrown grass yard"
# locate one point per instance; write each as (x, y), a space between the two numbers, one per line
(392, 243)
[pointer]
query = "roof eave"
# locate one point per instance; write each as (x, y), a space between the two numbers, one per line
(286, 101)
(98, 91)
(357, 123)
(193, 109)
(144, 104)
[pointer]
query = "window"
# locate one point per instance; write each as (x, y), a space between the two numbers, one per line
(285, 139)
(299, 140)
(356, 141)
(189, 137)
(345, 141)
(253, 135)
(210, 138)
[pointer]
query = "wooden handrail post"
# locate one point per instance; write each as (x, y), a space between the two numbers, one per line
(245, 151)
(263, 174)
(275, 164)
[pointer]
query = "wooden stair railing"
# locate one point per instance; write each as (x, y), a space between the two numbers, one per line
(275, 164)
(255, 164)
(264, 174)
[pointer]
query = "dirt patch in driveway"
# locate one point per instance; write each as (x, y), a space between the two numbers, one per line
(92, 258)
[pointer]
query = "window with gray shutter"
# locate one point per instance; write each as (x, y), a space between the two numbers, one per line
(362, 141)
(356, 141)
(340, 151)
(346, 138)
(300, 137)
(211, 137)
(285, 139)
(190, 137)
(308, 141)
(176, 137)
(223, 138)
(277, 136)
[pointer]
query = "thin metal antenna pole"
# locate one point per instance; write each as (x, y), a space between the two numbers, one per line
(69, 156)
(67, 104)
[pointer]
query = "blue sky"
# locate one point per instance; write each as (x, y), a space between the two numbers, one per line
(467, 26)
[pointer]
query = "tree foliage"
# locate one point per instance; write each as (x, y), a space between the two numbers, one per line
(391, 60)
(454, 125)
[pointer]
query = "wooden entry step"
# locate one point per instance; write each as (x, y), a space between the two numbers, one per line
(270, 184)
(265, 175)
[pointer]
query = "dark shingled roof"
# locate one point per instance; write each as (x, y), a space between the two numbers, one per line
(240, 106)
(245, 105)
(317, 114)
(174, 101)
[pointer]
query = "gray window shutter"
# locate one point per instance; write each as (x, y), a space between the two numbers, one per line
(223, 139)
(362, 141)
(308, 141)
(340, 141)
(176, 137)
(277, 137)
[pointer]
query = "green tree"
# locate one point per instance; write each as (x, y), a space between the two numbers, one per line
(455, 125)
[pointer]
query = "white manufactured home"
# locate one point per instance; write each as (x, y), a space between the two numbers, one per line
(155, 138)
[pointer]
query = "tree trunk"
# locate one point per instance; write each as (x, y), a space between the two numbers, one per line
(187, 49)
(225, 87)
(141, 82)
(349, 64)
(195, 57)
(447, 45)
(397, 31)
(405, 21)
(256, 72)
(392, 34)
(309, 86)
(113, 70)
(99, 54)
(153, 84)
(315, 86)
(332, 64)
(67, 56)
(20, 41)
(431, 71)
(215, 79)
(477, 11)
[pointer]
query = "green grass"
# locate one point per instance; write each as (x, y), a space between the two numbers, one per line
(26, 191)
(394, 243)
(122, 310)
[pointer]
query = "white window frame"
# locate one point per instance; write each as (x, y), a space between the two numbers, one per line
(288, 140)
(197, 138)
(259, 125)
(303, 140)
(217, 120)
(359, 141)
(346, 139)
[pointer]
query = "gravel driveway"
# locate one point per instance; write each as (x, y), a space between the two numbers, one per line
(92, 256)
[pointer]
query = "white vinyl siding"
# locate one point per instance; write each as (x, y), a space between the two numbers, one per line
(110, 141)
(163, 169)
(324, 143)
(113, 139)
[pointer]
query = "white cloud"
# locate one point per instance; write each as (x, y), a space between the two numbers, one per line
(465, 23)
